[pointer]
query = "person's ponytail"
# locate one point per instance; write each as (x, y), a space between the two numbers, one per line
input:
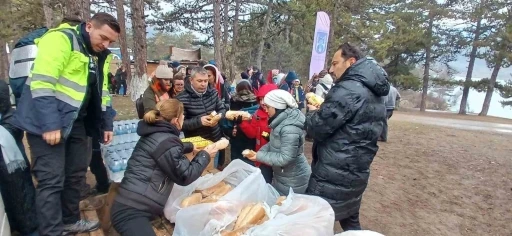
(151, 116)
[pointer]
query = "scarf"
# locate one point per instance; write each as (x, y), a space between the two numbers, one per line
(12, 155)
(244, 96)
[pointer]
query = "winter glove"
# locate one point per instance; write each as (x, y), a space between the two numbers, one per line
(238, 120)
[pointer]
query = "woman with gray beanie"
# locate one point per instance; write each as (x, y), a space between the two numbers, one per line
(285, 150)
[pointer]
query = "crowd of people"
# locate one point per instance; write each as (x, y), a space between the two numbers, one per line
(64, 103)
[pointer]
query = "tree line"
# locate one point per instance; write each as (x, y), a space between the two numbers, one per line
(405, 36)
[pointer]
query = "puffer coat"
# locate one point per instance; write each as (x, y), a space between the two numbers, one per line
(345, 131)
(156, 164)
(198, 105)
(285, 152)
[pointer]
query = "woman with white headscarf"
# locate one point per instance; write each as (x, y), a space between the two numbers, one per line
(285, 150)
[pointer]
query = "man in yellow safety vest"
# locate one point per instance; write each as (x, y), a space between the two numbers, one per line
(65, 102)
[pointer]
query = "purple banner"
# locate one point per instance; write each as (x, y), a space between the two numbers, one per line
(320, 43)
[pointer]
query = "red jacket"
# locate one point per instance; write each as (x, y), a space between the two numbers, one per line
(258, 125)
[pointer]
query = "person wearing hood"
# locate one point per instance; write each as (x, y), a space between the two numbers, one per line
(156, 164)
(17, 188)
(63, 103)
(270, 76)
(200, 100)
(285, 150)
(287, 83)
(244, 99)
(298, 93)
(324, 85)
(217, 82)
(278, 78)
(345, 130)
(159, 88)
(258, 129)
(256, 78)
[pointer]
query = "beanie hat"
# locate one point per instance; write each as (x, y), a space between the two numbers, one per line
(244, 75)
(175, 64)
(163, 72)
(327, 80)
(290, 77)
(280, 99)
(244, 81)
(212, 62)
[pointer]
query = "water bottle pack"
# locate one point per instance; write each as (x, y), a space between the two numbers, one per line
(116, 154)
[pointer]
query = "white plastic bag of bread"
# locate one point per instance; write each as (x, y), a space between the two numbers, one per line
(239, 181)
(297, 214)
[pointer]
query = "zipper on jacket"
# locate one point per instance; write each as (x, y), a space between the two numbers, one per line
(161, 188)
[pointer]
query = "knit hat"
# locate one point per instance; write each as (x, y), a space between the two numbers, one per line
(327, 80)
(290, 77)
(244, 81)
(163, 72)
(175, 64)
(296, 80)
(244, 75)
(280, 99)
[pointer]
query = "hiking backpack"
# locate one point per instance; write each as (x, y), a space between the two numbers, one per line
(23, 56)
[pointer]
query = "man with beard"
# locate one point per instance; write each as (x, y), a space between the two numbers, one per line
(158, 90)
(345, 130)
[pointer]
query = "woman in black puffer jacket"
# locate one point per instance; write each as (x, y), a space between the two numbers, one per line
(156, 164)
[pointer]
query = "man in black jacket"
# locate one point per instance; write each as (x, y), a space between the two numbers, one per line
(200, 100)
(345, 130)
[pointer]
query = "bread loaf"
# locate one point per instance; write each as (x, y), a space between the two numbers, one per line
(232, 115)
(209, 191)
(213, 114)
(218, 193)
(280, 200)
(237, 232)
(248, 153)
(313, 99)
(250, 217)
(193, 199)
(222, 144)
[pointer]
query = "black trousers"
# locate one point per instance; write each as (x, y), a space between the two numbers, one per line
(351, 223)
(267, 173)
(384, 134)
(129, 221)
(118, 87)
(60, 172)
(98, 168)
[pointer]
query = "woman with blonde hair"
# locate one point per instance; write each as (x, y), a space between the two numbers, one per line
(157, 163)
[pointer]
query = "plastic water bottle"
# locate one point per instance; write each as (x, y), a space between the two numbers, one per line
(134, 126)
(128, 127)
(115, 165)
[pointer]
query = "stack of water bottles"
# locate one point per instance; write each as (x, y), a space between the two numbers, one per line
(117, 153)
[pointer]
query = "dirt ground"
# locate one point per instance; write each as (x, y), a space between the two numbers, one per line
(430, 180)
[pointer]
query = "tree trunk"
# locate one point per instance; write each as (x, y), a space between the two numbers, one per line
(428, 58)
(48, 13)
(225, 32)
(490, 87)
(73, 9)
(266, 23)
(4, 61)
(332, 44)
(139, 37)
(86, 10)
(125, 56)
(234, 46)
(217, 34)
(469, 74)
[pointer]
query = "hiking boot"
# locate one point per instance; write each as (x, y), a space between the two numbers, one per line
(81, 226)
